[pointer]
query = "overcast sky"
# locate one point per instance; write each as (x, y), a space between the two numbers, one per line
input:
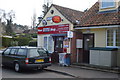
(24, 9)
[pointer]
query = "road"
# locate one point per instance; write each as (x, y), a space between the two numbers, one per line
(10, 73)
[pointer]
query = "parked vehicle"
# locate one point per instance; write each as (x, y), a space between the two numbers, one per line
(23, 57)
(1, 51)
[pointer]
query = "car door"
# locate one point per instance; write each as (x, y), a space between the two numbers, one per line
(12, 56)
(5, 57)
(21, 55)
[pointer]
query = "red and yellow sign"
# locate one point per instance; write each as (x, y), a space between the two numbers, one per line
(56, 19)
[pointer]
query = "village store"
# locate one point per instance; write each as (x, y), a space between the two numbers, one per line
(53, 29)
(100, 28)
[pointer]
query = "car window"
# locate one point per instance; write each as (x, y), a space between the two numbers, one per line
(37, 52)
(13, 51)
(22, 52)
(7, 51)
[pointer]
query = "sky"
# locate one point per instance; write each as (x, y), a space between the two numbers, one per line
(24, 9)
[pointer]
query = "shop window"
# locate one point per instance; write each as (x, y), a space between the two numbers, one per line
(107, 4)
(48, 43)
(45, 42)
(113, 38)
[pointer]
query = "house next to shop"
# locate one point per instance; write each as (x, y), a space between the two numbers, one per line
(53, 29)
(100, 28)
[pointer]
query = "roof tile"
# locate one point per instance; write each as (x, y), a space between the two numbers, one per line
(92, 17)
(70, 14)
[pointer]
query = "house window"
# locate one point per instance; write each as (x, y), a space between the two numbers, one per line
(48, 43)
(113, 38)
(117, 37)
(107, 4)
(110, 37)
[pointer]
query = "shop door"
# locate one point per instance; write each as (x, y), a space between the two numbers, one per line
(58, 44)
(58, 48)
(88, 42)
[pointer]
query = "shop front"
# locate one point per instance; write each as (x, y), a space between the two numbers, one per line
(55, 31)
(52, 38)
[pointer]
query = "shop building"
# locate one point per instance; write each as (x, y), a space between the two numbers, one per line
(99, 27)
(54, 28)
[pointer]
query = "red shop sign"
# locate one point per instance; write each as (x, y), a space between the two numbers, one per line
(56, 19)
(55, 29)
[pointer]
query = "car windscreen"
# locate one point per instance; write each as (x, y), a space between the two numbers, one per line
(37, 52)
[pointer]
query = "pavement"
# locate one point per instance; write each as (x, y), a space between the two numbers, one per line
(83, 72)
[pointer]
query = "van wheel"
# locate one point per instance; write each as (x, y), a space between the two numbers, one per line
(17, 67)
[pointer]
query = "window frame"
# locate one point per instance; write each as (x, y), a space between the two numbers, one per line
(52, 43)
(21, 55)
(114, 39)
(15, 52)
(101, 5)
(6, 50)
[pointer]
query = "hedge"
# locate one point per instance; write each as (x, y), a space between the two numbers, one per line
(21, 41)
(6, 42)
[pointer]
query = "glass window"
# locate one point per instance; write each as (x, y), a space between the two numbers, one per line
(37, 52)
(107, 3)
(13, 51)
(109, 37)
(7, 51)
(113, 37)
(117, 37)
(48, 43)
(22, 52)
(45, 42)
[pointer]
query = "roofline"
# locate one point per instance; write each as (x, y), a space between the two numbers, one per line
(53, 5)
(65, 15)
(45, 14)
(98, 27)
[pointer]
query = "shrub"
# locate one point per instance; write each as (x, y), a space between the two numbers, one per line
(6, 42)
(34, 35)
(23, 41)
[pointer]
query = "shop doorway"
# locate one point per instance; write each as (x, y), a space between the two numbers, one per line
(58, 48)
(88, 42)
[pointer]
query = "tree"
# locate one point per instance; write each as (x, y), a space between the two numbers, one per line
(8, 18)
(2, 23)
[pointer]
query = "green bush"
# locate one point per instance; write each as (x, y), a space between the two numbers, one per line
(23, 41)
(6, 42)
(34, 35)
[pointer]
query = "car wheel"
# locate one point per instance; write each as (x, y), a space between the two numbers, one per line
(17, 67)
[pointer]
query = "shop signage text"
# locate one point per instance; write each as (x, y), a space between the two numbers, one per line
(55, 29)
